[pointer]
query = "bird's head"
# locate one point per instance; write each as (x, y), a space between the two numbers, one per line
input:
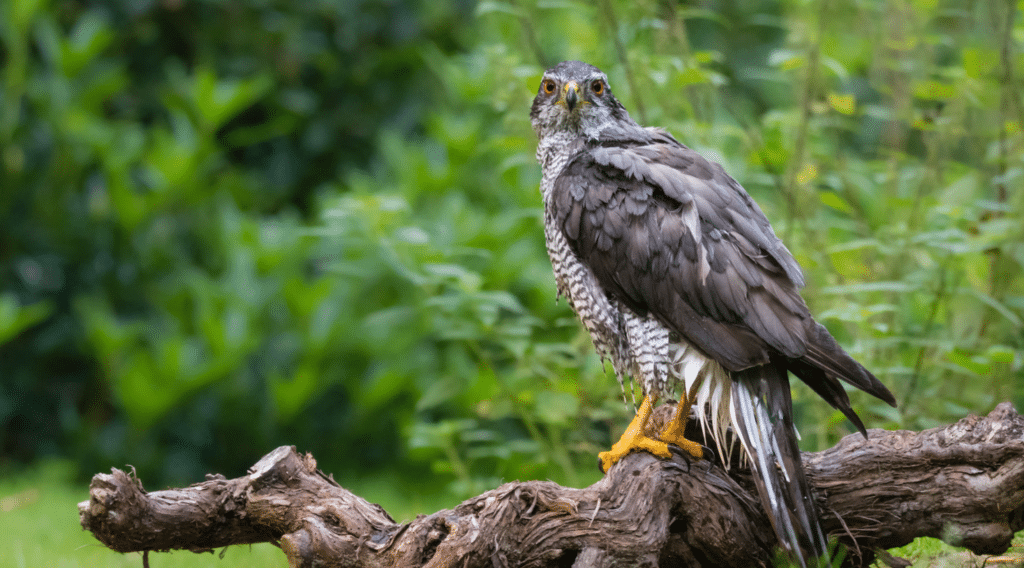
(574, 97)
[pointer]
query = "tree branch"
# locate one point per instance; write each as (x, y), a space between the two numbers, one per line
(963, 483)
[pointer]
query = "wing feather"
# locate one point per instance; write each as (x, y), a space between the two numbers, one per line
(691, 239)
(669, 233)
(678, 238)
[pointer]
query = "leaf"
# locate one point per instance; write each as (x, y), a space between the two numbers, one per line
(492, 6)
(293, 392)
(90, 35)
(998, 306)
(932, 90)
(866, 287)
(217, 100)
(556, 407)
(15, 318)
(845, 104)
(831, 199)
(979, 62)
(973, 364)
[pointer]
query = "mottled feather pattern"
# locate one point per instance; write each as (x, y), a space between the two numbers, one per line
(619, 333)
(700, 256)
(682, 283)
(718, 272)
(576, 283)
(648, 342)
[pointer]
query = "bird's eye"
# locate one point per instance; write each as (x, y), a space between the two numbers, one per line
(597, 86)
(548, 85)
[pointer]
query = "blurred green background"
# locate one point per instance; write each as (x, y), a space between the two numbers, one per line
(229, 225)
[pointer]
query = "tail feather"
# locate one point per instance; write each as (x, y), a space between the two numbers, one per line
(825, 353)
(828, 388)
(763, 417)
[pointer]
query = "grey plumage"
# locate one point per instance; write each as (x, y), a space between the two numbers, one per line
(682, 283)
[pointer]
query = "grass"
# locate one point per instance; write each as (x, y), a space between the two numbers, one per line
(39, 526)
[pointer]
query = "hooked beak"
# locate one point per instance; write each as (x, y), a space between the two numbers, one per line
(571, 95)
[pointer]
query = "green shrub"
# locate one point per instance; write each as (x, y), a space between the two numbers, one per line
(233, 225)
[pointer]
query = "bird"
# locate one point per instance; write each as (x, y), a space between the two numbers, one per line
(685, 288)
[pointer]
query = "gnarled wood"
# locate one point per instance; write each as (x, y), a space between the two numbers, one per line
(963, 483)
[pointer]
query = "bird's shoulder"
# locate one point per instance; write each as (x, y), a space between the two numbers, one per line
(653, 168)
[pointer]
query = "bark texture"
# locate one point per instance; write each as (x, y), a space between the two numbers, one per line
(963, 483)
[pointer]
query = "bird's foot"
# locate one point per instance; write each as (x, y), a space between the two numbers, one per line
(675, 430)
(632, 440)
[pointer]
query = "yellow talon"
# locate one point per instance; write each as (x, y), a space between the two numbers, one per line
(674, 432)
(635, 439)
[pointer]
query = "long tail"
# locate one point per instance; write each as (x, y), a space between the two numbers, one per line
(762, 414)
(824, 362)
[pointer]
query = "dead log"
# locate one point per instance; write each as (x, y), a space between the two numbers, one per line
(963, 483)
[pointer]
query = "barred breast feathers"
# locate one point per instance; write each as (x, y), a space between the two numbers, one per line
(637, 346)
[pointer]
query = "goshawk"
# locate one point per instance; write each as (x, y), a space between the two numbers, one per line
(683, 285)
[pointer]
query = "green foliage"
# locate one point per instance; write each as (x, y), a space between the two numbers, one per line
(160, 165)
(445, 254)
(228, 226)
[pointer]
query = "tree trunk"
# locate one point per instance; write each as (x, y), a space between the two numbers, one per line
(963, 483)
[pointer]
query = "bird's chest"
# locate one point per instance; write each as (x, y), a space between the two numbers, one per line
(601, 315)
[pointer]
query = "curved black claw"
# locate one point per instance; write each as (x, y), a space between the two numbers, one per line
(710, 456)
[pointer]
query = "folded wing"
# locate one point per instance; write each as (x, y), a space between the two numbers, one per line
(669, 233)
